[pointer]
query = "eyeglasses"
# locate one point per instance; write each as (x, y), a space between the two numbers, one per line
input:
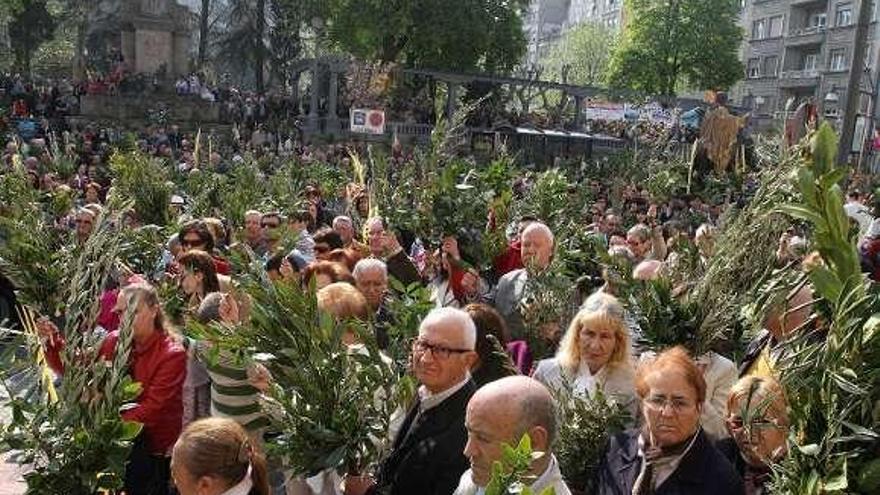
(658, 404)
(754, 424)
(269, 225)
(437, 351)
(83, 222)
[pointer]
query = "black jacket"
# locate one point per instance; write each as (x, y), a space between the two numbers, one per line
(754, 349)
(730, 451)
(428, 454)
(702, 471)
(403, 269)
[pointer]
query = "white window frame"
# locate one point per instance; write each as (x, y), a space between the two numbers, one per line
(814, 57)
(753, 68)
(759, 29)
(820, 18)
(837, 60)
(773, 71)
(769, 26)
(839, 9)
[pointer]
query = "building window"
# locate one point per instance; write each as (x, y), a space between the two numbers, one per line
(844, 16)
(758, 29)
(754, 68)
(817, 20)
(771, 64)
(838, 59)
(811, 61)
(775, 27)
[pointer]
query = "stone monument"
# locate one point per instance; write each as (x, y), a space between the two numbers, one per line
(147, 34)
(155, 36)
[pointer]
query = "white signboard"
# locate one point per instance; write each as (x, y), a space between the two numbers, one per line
(367, 121)
(653, 112)
(604, 111)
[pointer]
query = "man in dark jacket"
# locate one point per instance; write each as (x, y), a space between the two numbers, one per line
(427, 457)
(384, 245)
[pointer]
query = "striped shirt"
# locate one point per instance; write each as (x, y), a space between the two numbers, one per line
(232, 395)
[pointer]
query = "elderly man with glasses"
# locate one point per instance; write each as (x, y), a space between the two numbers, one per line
(427, 455)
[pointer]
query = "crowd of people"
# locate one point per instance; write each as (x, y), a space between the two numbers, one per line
(699, 424)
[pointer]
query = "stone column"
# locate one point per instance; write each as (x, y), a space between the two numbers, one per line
(128, 51)
(312, 118)
(578, 112)
(333, 119)
(451, 98)
(180, 54)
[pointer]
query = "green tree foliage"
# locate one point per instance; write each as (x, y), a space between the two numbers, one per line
(581, 57)
(245, 42)
(8, 8)
(454, 34)
(29, 28)
(671, 44)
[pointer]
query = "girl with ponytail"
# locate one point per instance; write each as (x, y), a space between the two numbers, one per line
(215, 456)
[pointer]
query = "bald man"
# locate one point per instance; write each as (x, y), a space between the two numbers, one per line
(780, 324)
(502, 412)
(537, 253)
(647, 270)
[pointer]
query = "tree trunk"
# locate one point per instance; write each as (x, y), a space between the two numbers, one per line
(79, 65)
(260, 56)
(203, 33)
(23, 61)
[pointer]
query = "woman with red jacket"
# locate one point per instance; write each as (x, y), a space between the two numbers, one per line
(158, 363)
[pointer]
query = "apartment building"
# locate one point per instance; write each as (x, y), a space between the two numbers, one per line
(546, 21)
(795, 50)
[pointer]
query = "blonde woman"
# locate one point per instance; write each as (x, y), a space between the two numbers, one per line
(594, 354)
(757, 419)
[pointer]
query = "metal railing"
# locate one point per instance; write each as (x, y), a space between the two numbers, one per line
(799, 74)
(806, 31)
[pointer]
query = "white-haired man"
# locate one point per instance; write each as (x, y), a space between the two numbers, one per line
(502, 412)
(384, 245)
(371, 278)
(427, 455)
(537, 253)
(344, 226)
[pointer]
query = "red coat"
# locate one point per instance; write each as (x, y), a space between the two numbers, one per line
(221, 266)
(159, 365)
(509, 260)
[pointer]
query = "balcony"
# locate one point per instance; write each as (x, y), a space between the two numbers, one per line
(799, 78)
(813, 35)
(801, 3)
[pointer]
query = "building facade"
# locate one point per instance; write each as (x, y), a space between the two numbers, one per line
(546, 21)
(800, 50)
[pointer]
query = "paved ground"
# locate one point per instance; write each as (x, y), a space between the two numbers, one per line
(10, 475)
(11, 482)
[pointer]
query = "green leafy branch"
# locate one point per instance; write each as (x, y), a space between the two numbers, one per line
(512, 474)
